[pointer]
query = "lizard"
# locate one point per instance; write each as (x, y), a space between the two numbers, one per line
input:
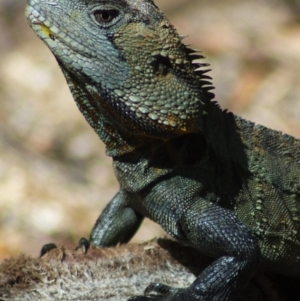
(211, 179)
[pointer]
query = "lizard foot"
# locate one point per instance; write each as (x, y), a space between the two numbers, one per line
(162, 292)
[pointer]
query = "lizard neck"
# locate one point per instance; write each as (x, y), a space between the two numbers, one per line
(114, 130)
(219, 129)
(147, 157)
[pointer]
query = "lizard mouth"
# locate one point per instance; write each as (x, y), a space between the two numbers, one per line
(38, 23)
(45, 30)
(41, 26)
(63, 34)
(55, 38)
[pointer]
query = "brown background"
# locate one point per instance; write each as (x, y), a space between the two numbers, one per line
(54, 176)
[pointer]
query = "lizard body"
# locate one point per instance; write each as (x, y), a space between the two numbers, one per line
(211, 179)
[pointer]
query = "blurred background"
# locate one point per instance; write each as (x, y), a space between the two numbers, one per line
(54, 176)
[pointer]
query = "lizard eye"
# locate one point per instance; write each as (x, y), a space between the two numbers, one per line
(105, 15)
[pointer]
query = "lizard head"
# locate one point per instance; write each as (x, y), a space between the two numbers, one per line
(123, 59)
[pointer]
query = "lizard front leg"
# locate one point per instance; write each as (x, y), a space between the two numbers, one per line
(216, 232)
(117, 223)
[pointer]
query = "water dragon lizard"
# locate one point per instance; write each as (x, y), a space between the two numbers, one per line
(212, 180)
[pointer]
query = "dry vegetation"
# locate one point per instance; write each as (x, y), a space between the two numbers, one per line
(117, 273)
(54, 176)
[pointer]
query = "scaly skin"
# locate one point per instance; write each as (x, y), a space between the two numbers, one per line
(212, 180)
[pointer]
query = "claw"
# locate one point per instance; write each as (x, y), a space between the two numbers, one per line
(83, 244)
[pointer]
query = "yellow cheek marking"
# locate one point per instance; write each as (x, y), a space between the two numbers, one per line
(46, 31)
